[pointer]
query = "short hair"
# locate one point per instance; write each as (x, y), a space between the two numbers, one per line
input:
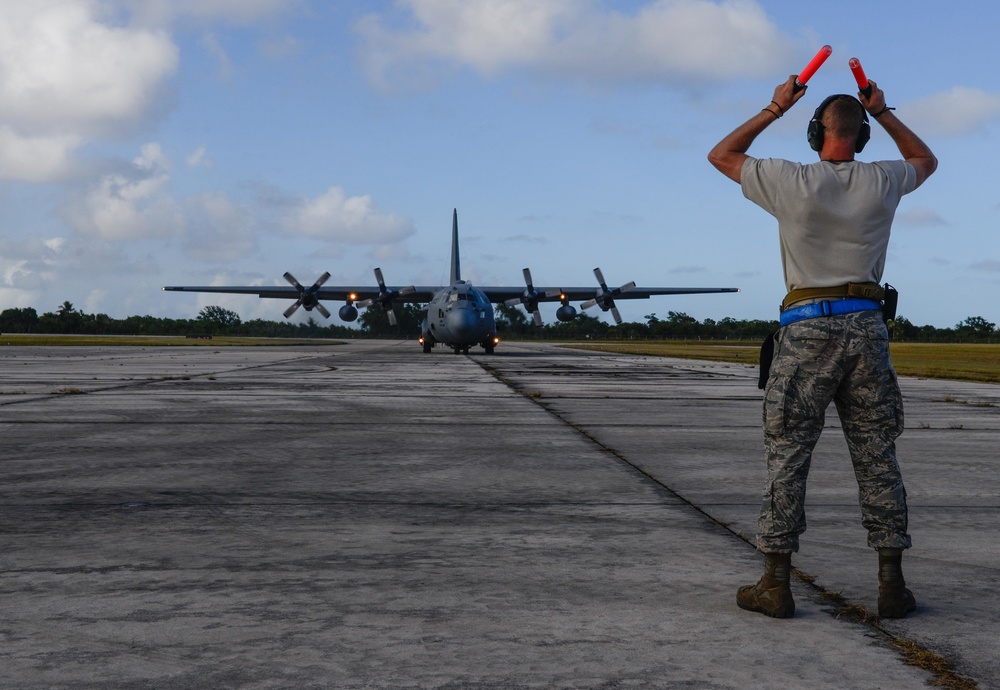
(843, 117)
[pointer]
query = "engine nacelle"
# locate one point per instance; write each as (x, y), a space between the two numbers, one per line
(566, 313)
(348, 312)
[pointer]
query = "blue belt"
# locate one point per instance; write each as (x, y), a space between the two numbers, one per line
(825, 308)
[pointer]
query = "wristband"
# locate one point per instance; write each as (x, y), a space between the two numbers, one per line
(882, 111)
(780, 109)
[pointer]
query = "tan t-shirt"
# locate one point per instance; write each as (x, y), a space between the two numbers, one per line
(833, 218)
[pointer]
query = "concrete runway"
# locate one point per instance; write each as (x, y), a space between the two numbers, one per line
(367, 516)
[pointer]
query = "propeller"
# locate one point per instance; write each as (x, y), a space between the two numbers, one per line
(386, 297)
(307, 296)
(605, 298)
(530, 297)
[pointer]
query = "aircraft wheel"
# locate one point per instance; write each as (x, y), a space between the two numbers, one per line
(427, 347)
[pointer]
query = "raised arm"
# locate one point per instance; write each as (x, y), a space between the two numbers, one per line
(730, 153)
(910, 146)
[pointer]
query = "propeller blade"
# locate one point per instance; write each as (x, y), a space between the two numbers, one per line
(626, 287)
(616, 315)
(513, 302)
(537, 317)
(408, 290)
(600, 278)
(527, 280)
(379, 280)
(365, 303)
(392, 317)
(322, 279)
(292, 309)
(588, 304)
(322, 310)
(291, 279)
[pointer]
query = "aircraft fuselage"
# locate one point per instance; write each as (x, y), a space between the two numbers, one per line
(459, 316)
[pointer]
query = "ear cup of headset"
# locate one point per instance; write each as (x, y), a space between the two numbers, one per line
(863, 135)
(814, 134)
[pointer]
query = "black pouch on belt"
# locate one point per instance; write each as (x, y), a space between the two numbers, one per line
(766, 355)
(889, 303)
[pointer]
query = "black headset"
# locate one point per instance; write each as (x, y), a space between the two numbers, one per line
(815, 131)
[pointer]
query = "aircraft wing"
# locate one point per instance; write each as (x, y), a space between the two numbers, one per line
(309, 297)
(335, 292)
(355, 296)
(602, 296)
(557, 294)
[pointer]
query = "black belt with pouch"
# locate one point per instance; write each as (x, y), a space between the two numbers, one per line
(889, 297)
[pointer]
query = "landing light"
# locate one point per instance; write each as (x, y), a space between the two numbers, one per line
(353, 296)
(496, 340)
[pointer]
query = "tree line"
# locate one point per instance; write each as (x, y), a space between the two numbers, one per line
(512, 322)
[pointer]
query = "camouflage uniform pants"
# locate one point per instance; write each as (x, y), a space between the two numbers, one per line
(845, 360)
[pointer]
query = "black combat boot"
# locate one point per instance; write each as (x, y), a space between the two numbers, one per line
(772, 595)
(894, 599)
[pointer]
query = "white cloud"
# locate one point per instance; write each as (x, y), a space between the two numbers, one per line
(987, 265)
(35, 158)
(132, 204)
(55, 243)
(211, 43)
(284, 47)
(65, 77)
(197, 159)
(12, 269)
(220, 230)
(920, 216)
(951, 113)
(677, 41)
(27, 265)
(336, 217)
(389, 252)
(13, 298)
(94, 301)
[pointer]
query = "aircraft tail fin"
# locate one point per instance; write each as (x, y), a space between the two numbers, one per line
(456, 268)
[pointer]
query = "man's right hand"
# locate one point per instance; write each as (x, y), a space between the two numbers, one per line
(785, 94)
(874, 103)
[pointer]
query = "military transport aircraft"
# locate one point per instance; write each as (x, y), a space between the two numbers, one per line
(458, 315)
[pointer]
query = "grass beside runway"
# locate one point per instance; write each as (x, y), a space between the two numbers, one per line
(955, 361)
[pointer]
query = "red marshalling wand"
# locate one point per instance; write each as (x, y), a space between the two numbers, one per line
(806, 74)
(859, 76)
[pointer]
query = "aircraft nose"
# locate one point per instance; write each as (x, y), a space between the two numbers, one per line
(463, 323)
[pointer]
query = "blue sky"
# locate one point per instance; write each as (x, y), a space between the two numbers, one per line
(189, 142)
